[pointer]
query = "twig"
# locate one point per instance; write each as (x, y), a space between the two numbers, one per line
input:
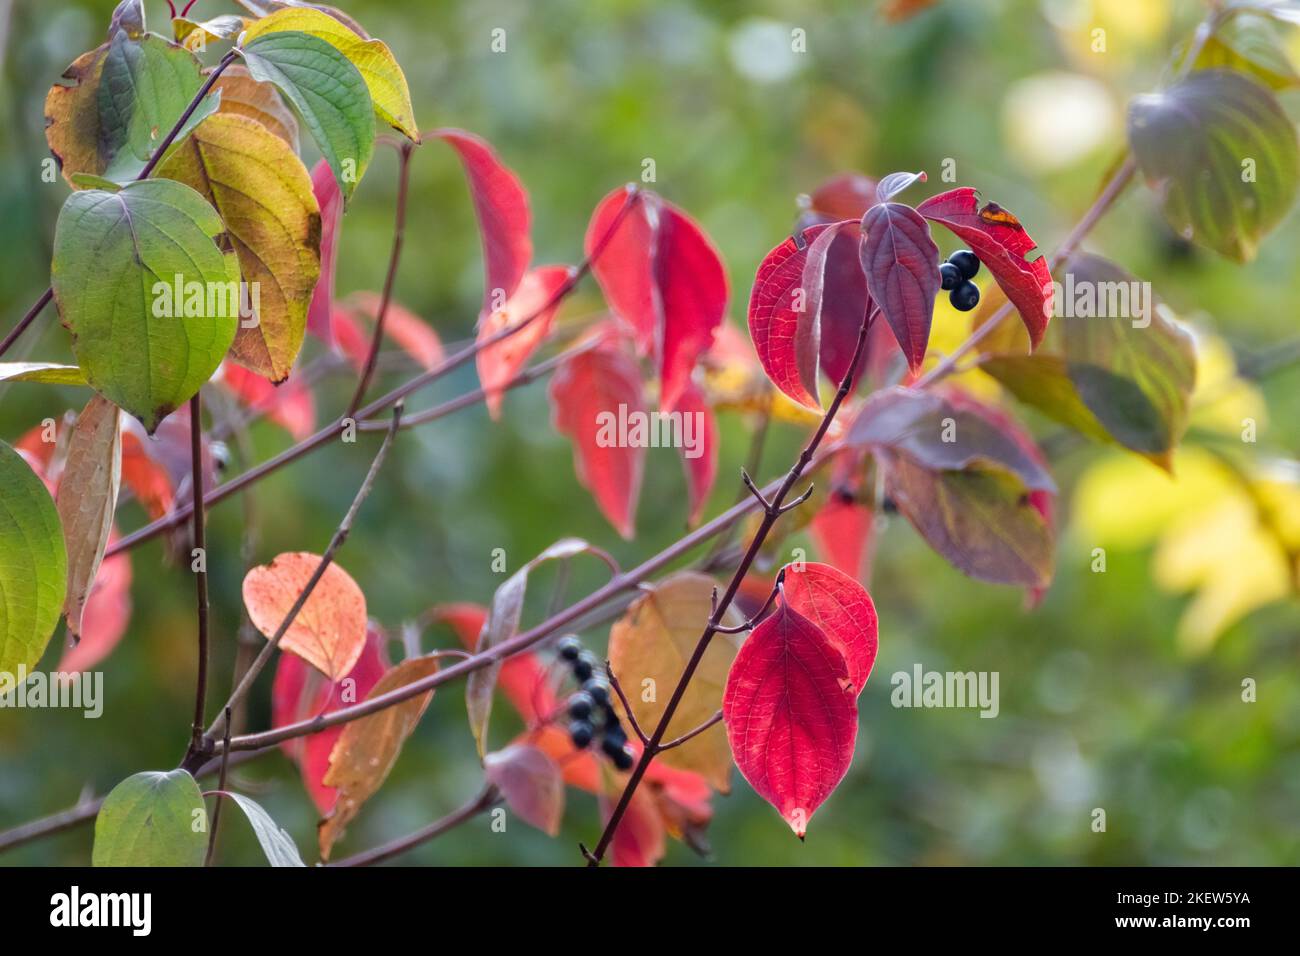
(379, 854)
(216, 809)
(677, 742)
(773, 509)
(201, 575)
(627, 707)
(336, 541)
(399, 234)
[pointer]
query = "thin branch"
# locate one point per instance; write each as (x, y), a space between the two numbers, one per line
(379, 854)
(771, 515)
(627, 707)
(336, 541)
(201, 574)
(329, 432)
(452, 405)
(677, 742)
(394, 257)
(216, 809)
(27, 320)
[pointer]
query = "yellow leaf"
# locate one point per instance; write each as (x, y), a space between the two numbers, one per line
(264, 195)
(367, 749)
(372, 58)
(648, 649)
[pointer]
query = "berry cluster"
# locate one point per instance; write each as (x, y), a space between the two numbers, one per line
(591, 707)
(956, 274)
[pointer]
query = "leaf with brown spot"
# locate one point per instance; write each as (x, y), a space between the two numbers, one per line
(368, 748)
(330, 630)
(648, 649)
(264, 194)
(86, 499)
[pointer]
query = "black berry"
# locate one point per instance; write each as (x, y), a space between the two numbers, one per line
(950, 276)
(581, 732)
(965, 297)
(613, 747)
(598, 690)
(580, 705)
(569, 647)
(623, 760)
(584, 666)
(967, 262)
(615, 735)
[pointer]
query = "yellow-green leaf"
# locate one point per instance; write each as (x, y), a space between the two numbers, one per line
(33, 565)
(372, 58)
(263, 192)
(243, 95)
(49, 373)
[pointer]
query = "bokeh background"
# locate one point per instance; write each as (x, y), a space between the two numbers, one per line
(1106, 701)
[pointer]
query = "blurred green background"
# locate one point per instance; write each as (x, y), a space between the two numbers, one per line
(1100, 707)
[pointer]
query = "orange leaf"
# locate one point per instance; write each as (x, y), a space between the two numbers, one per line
(330, 630)
(368, 748)
(499, 363)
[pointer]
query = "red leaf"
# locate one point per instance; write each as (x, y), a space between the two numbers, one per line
(531, 784)
(843, 529)
(289, 404)
(523, 678)
(301, 692)
(901, 262)
(1002, 244)
(501, 203)
(702, 469)
(786, 346)
(846, 196)
(411, 333)
(842, 608)
(662, 276)
(107, 613)
(330, 201)
(585, 391)
(148, 480)
(791, 715)
(499, 363)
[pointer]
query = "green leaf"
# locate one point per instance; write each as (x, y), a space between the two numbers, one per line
(1122, 369)
(263, 192)
(49, 373)
(1042, 381)
(152, 819)
(276, 843)
(328, 94)
(118, 258)
(33, 564)
(1222, 156)
(146, 85)
(372, 58)
(1249, 45)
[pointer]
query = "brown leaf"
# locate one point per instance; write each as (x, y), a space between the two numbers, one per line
(648, 649)
(86, 499)
(368, 748)
(242, 94)
(330, 630)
